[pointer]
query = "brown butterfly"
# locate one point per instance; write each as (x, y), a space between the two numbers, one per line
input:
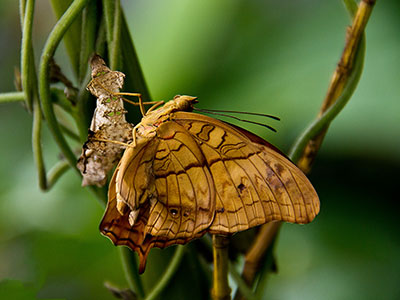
(186, 174)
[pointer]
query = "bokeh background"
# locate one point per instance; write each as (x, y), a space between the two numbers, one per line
(269, 56)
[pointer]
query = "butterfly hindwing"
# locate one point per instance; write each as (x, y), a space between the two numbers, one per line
(116, 226)
(254, 183)
(184, 187)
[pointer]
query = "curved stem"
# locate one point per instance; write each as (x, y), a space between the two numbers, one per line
(167, 276)
(342, 85)
(44, 86)
(322, 122)
(69, 132)
(340, 79)
(56, 172)
(129, 265)
(27, 62)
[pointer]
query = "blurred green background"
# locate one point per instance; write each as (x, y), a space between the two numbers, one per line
(269, 56)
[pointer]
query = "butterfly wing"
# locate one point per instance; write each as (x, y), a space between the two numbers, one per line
(116, 227)
(254, 182)
(185, 201)
(165, 179)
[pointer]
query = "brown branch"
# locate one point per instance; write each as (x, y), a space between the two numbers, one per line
(339, 79)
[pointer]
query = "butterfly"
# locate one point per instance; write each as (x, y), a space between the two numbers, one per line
(186, 174)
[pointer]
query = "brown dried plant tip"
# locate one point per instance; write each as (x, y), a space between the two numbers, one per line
(108, 123)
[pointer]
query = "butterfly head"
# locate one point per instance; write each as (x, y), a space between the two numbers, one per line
(185, 103)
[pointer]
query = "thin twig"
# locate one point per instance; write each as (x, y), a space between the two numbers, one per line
(339, 78)
(339, 90)
(321, 123)
(220, 289)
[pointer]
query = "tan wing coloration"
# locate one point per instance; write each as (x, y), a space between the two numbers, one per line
(188, 174)
(164, 179)
(117, 227)
(255, 184)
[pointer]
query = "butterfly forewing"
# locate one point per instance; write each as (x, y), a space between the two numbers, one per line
(254, 183)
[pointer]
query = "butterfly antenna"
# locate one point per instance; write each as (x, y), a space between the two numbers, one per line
(236, 118)
(237, 112)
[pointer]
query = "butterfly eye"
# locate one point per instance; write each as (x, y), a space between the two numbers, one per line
(174, 212)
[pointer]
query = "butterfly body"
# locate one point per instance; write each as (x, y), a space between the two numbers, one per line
(189, 174)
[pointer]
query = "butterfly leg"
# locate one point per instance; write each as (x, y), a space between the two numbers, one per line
(156, 104)
(141, 104)
(111, 141)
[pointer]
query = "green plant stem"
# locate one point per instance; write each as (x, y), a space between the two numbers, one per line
(22, 7)
(168, 274)
(58, 97)
(69, 132)
(116, 36)
(342, 85)
(108, 11)
(323, 122)
(90, 24)
(340, 78)
(351, 7)
(244, 289)
(129, 265)
(27, 57)
(135, 80)
(12, 97)
(71, 38)
(44, 86)
(37, 147)
(56, 172)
